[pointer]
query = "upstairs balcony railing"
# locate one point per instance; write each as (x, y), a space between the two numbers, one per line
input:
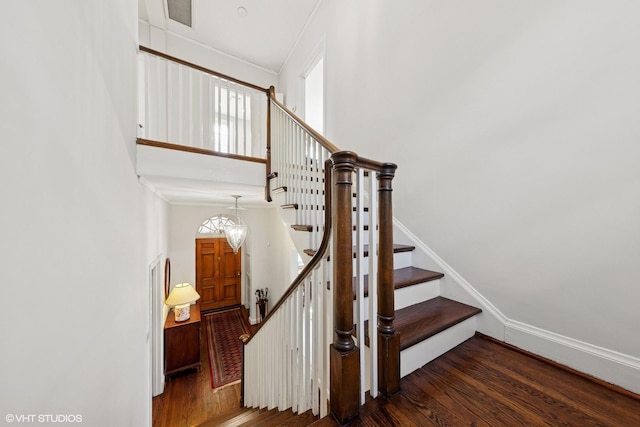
(183, 105)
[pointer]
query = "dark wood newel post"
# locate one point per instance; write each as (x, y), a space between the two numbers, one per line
(344, 354)
(388, 338)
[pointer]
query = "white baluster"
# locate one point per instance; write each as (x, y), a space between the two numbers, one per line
(373, 281)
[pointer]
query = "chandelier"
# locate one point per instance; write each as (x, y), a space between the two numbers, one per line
(237, 232)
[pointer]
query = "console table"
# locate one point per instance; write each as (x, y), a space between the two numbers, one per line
(182, 342)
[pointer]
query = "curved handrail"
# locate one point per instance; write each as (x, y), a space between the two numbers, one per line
(317, 257)
(301, 169)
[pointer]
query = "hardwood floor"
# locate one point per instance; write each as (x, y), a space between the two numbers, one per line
(478, 383)
(188, 398)
(483, 383)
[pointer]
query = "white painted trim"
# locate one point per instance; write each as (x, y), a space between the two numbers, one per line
(149, 186)
(608, 365)
(485, 304)
(171, 33)
(300, 35)
(156, 318)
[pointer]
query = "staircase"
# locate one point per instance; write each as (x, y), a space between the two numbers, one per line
(429, 325)
(303, 356)
(317, 348)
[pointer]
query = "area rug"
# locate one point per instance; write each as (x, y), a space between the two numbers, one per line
(223, 330)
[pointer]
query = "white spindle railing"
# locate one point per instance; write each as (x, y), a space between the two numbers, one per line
(186, 105)
(287, 360)
(299, 157)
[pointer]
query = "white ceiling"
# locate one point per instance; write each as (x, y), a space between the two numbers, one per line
(264, 36)
(196, 192)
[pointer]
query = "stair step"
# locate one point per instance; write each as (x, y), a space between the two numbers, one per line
(302, 227)
(418, 322)
(235, 418)
(407, 276)
(397, 248)
(245, 417)
(277, 190)
(290, 206)
(276, 419)
(304, 419)
(264, 418)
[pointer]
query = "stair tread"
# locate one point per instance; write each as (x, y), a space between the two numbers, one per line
(404, 277)
(304, 419)
(272, 417)
(276, 418)
(420, 321)
(235, 418)
(302, 227)
(397, 248)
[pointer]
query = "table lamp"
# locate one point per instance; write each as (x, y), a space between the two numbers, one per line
(180, 298)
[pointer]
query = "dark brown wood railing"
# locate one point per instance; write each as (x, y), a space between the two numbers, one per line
(338, 180)
(344, 354)
(197, 150)
(203, 69)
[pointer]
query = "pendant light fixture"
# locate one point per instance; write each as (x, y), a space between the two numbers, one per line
(237, 232)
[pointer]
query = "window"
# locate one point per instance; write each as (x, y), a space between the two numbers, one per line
(215, 224)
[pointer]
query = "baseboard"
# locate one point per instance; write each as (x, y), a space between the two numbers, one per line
(601, 363)
(491, 321)
(607, 365)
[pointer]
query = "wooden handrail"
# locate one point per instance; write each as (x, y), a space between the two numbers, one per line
(203, 69)
(189, 149)
(317, 257)
(321, 139)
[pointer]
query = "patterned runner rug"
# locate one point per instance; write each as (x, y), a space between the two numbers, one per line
(223, 330)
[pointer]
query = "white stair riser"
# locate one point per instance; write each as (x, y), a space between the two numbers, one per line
(424, 352)
(404, 297)
(402, 260)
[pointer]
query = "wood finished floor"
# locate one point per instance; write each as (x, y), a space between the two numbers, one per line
(479, 383)
(188, 398)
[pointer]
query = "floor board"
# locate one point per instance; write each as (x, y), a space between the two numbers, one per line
(188, 398)
(479, 383)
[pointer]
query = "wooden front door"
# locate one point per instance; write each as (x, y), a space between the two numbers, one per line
(217, 274)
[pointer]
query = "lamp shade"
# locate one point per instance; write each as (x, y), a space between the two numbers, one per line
(182, 293)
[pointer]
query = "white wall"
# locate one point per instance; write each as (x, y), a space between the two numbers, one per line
(75, 225)
(187, 50)
(267, 242)
(514, 125)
